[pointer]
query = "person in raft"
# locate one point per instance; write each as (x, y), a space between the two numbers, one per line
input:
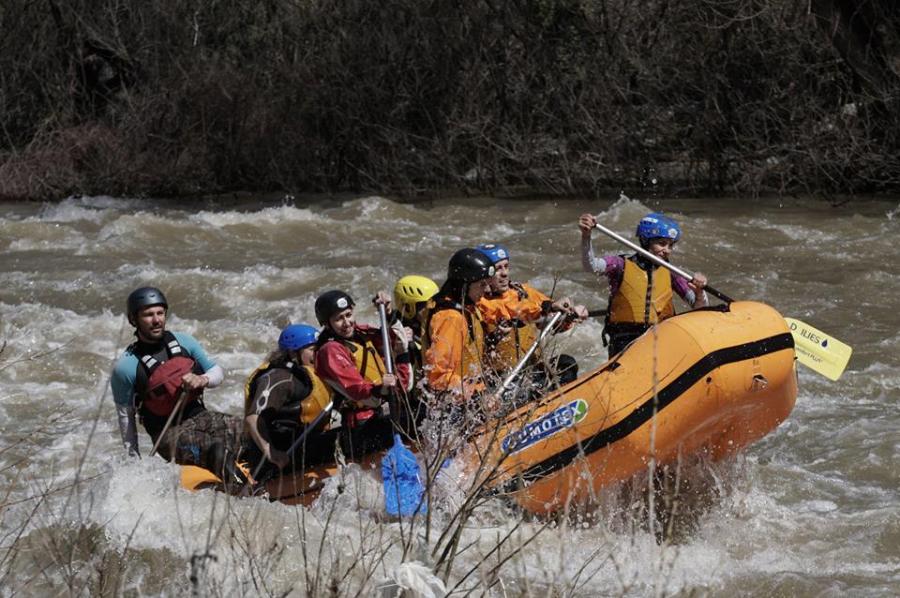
(454, 343)
(640, 291)
(282, 398)
(411, 296)
(163, 374)
(512, 312)
(349, 359)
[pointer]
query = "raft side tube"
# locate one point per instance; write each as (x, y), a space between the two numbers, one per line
(729, 379)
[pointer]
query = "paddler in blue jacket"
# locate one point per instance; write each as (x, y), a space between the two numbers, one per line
(163, 372)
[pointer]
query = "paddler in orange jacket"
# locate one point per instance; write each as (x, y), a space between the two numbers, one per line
(512, 312)
(453, 336)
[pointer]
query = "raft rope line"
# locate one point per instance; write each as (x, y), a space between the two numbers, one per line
(645, 411)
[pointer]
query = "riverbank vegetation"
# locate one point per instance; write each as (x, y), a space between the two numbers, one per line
(405, 96)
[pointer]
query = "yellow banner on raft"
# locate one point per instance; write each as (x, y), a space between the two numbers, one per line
(819, 351)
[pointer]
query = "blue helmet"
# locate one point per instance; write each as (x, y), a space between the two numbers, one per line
(297, 336)
(655, 226)
(494, 251)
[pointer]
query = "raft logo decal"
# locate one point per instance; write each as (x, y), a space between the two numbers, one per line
(555, 421)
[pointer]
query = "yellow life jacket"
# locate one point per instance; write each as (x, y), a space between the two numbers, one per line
(473, 350)
(310, 406)
(643, 297)
(366, 357)
(318, 397)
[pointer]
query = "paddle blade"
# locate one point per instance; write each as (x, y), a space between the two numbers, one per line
(403, 489)
(818, 351)
(195, 478)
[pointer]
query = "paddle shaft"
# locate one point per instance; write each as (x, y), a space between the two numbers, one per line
(660, 262)
(547, 329)
(385, 339)
(397, 462)
(178, 405)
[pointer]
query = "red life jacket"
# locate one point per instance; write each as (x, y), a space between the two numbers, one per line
(164, 385)
(163, 372)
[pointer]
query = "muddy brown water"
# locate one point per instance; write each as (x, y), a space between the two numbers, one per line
(813, 509)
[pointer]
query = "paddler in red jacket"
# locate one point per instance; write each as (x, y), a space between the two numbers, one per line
(349, 359)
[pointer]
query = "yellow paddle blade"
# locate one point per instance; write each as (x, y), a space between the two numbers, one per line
(818, 351)
(194, 478)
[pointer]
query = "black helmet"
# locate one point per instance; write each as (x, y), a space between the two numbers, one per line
(469, 265)
(144, 297)
(330, 303)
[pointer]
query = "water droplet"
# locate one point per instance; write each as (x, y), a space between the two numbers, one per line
(825, 343)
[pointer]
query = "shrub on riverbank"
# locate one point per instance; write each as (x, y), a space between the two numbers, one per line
(404, 96)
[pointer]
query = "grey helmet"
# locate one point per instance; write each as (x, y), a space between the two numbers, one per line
(144, 297)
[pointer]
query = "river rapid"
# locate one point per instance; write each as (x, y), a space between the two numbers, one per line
(811, 510)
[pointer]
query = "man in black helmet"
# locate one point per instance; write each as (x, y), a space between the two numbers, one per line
(349, 360)
(163, 374)
(453, 337)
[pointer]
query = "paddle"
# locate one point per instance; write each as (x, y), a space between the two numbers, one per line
(182, 395)
(507, 382)
(818, 351)
(403, 488)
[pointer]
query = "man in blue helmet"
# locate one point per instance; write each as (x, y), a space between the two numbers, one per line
(283, 397)
(640, 291)
(513, 312)
(160, 378)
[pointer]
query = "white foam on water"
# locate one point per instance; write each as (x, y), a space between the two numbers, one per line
(269, 216)
(105, 202)
(806, 234)
(69, 212)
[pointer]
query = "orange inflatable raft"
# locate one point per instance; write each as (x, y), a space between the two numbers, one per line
(710, 382)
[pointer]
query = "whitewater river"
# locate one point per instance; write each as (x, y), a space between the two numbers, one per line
(811, 510)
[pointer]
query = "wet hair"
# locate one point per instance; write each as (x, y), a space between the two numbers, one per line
(454, 289)
(279, 357)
